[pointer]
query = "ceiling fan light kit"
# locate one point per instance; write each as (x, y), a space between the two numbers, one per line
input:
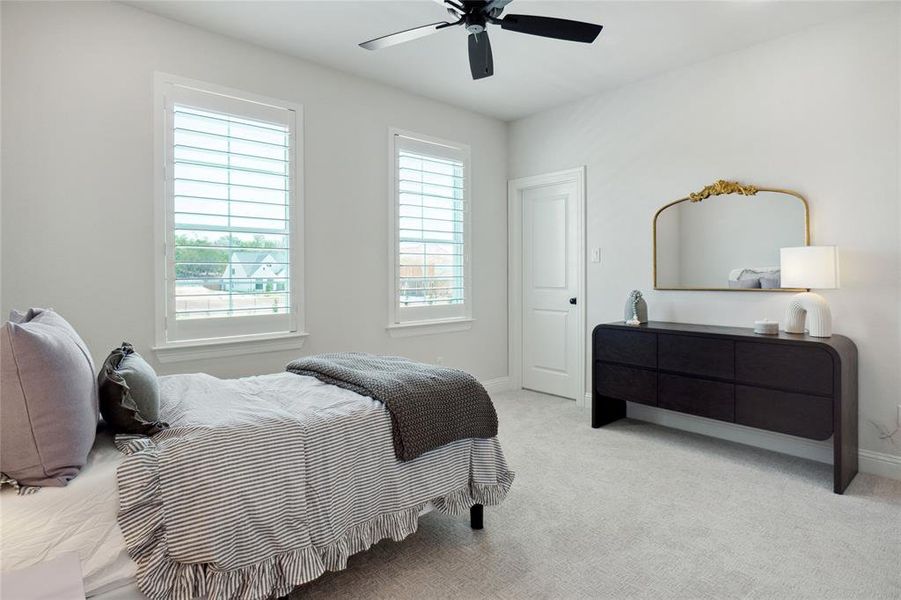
(476, 15)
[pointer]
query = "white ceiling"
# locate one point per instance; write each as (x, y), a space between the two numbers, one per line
(639, 39)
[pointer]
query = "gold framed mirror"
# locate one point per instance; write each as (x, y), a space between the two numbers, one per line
(726, 237)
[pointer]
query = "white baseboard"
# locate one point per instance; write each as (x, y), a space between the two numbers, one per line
(584, 401)
(498, 384)
(879, 463)
(874, 463)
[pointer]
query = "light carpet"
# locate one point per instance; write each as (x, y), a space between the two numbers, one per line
(635, 510)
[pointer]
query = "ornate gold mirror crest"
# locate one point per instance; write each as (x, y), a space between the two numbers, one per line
(722, 187)
(724, 246)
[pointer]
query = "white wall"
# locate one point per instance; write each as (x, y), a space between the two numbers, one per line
(816, 112)
(78, 187)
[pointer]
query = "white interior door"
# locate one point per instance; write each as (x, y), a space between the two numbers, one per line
(551, 316)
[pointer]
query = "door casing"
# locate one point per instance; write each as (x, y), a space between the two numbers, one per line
(515, 188)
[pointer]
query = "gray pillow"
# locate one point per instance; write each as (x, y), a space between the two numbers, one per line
(129, 393)
(745, 283)
(48, 416)
(770, 281)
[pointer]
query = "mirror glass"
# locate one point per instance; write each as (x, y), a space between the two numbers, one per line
(728, 241)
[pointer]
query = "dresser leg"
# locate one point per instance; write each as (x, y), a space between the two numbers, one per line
(844, 466)
(844, 438)
(606, 410)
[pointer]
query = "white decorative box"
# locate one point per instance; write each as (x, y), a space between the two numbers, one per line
(766, 327)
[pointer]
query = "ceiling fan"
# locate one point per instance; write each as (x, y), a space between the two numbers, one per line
(476, 15)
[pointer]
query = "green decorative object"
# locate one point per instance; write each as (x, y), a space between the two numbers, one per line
(636, 311)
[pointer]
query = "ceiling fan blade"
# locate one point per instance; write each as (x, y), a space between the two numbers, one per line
(481, 62)
(454, 5)
(561, 29)
(495, 5)
(404, 36)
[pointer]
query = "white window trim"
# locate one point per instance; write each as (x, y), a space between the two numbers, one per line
(412, 328)
(229, 345)
(405, 328)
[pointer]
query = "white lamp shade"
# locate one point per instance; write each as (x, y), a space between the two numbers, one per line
(809, 267)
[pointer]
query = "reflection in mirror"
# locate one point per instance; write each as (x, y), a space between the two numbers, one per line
(728, 241)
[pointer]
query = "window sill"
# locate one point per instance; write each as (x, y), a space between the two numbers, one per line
(412, 328)
(229, 346)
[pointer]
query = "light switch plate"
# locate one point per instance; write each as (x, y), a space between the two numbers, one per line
(596, 255)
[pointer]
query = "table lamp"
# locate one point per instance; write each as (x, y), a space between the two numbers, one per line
(809, 267)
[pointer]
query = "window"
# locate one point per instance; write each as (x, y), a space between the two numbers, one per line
(430, 267)
(230, 213)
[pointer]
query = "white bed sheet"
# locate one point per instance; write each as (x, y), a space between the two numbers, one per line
(80, 517)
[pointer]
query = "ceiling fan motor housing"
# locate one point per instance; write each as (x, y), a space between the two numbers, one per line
(474, 23)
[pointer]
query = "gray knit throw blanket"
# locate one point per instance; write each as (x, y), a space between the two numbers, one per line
(430, 406)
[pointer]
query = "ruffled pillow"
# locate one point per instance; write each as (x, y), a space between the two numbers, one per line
(129, 393)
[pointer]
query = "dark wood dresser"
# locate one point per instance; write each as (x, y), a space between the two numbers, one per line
(790, 383)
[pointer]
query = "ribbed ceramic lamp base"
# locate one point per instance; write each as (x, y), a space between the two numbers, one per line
(810, 308)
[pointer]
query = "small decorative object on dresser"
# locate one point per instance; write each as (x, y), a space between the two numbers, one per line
(636, 311)
(766, 327)
(792, 384)
(809, 267)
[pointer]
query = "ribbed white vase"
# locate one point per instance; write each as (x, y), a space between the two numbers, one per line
(810, 308)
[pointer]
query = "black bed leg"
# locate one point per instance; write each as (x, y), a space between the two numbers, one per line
(475, 516)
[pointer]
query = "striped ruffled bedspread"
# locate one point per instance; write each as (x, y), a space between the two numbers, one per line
(264, 483)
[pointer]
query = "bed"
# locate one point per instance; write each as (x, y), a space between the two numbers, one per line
(83, 521)
(349, 506)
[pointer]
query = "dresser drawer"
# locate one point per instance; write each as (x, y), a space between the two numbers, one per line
(796, 368)
(710, 357)
(629, 347)
(711, 399)
(626, 383)
(795, 414)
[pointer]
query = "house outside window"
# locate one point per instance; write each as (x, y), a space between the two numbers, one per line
(230, 215)
(430, 231)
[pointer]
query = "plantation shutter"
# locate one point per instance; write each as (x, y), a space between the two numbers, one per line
(229, 184)
(431, 223)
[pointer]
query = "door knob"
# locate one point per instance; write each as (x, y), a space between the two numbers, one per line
(572, 300)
